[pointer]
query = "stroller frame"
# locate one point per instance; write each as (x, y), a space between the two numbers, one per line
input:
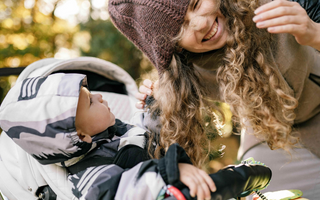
(21, 175)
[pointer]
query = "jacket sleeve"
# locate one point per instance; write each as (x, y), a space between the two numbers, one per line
(143, 181)
(312, 7)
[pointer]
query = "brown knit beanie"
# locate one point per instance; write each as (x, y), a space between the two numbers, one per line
(150, 25)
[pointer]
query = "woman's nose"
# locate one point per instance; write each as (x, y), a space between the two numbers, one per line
(198, 23)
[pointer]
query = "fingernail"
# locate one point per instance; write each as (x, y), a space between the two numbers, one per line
(149, 92)
(140, 104)
(254, 19)
(271, 29)
(257, 11)
(144, 96)
(260, 24)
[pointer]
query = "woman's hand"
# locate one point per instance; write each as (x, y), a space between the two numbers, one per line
(198, 181)
(145, 89)
(282, 16)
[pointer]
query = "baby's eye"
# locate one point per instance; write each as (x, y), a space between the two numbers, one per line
(90, 100)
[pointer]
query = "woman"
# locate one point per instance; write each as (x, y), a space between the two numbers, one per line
(265, 78)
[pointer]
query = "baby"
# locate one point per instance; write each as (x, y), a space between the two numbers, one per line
(58, 121)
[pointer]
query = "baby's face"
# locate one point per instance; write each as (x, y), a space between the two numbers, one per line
(93, 114)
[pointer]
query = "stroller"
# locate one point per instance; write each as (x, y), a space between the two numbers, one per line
(22, 177)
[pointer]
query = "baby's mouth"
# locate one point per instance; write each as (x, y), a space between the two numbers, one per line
(212, 32)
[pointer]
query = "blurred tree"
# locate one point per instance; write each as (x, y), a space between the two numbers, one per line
(35, 29)
(109, 44)
(28, 33)
(4, 88)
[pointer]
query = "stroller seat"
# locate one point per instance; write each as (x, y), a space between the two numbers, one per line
(21, 175)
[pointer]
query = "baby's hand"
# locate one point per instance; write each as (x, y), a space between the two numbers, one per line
(198, 181)
(282, 16)
(145, 89)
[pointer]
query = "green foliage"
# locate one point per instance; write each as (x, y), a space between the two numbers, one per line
(109, 44)
(4, 87)
(217, 152)
(28, 34)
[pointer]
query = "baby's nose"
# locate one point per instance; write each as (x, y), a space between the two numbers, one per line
(99, 97)
(198, 23)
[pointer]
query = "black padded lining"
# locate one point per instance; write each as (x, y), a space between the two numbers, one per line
(96, 82)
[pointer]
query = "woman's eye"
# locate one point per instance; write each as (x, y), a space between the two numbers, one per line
(196, 4)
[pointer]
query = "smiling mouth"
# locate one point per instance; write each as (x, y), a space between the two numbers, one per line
(212, 32)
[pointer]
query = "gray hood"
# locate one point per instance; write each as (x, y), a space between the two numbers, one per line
(39, 113)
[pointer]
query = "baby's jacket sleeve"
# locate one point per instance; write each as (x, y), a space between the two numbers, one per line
(143, 181)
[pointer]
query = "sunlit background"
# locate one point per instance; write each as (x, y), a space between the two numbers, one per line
(37, 29)
(31, 30)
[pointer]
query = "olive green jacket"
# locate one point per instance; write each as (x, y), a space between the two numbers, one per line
(300, 67)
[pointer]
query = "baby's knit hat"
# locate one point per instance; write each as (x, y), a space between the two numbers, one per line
(39, 113)
(150, 25)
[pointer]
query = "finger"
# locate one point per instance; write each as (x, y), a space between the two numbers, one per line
(145, 90)
(290, 28)
(285, 20)
(273, 5)
(274, 13)
(200, 184)
(140, 96)
(148, 83)
(203, 188)
(140, 105)
(209, 181)
(191, 184)
(200, 192)
(289, 11)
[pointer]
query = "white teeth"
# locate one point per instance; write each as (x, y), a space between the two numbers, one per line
(213, 32)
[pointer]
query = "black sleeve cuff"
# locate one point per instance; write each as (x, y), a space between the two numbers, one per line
(168, 165)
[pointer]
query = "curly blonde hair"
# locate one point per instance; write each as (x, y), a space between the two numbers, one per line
(250, 81)
(180, 96)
